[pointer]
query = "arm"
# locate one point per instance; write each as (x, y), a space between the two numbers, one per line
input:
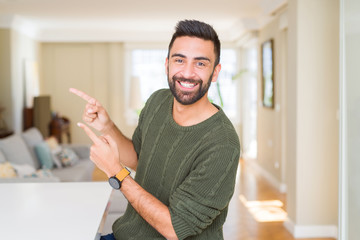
(96, 116)
(150, 208)
(104, 154)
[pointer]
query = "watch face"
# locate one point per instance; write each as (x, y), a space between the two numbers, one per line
(115, 183)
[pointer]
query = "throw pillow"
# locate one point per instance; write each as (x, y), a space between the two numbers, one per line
(67, 157)
(23, 170)
(55, 149)
(6, 170)
(53, 143)
(54, 154)
(43, 153)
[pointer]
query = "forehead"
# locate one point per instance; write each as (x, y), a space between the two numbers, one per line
(193, 47)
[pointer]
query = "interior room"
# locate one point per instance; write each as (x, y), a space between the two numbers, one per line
(288, 84)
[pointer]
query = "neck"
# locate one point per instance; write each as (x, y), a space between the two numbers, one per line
(189, 115)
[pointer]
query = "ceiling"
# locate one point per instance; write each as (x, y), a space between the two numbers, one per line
(131, 20)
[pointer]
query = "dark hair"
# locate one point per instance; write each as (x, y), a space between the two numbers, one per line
(194, 28)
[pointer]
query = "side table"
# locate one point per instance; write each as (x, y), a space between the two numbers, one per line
(60, 126)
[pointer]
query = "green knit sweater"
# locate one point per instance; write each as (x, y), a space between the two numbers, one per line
(191, 170)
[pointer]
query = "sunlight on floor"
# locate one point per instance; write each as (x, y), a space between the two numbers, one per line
(265, 211)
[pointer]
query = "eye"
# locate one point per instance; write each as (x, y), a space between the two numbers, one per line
(200, 64)
(179, 60)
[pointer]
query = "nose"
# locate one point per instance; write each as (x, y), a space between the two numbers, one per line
(188, 70)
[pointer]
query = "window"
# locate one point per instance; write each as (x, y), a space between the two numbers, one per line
(149, 66)
(227, 98)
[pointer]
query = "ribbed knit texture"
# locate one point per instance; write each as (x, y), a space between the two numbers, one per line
(191, 169)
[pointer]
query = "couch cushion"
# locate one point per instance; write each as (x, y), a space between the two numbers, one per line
(43, 153)
(15, 150)
(80, 172)
(32, 137)
(2, 157)
(23, 170)
(81, 150)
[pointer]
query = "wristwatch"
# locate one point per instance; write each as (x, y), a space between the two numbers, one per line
(116, 180)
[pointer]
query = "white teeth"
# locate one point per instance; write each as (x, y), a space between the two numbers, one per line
(187, 85)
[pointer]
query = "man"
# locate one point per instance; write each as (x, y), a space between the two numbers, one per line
(185, 150)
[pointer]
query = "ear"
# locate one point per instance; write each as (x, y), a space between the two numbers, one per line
(167, 66)
(216, 73)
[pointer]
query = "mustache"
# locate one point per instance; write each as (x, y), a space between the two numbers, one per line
(188, 80)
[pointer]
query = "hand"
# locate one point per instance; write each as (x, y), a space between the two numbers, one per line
(94, 114)
(104, 152)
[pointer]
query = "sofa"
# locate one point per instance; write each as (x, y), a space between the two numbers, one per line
(28, 157)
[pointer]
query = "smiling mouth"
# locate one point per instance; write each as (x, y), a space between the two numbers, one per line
(187, 85)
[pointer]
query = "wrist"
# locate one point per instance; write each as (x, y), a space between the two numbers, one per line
(117, 180)
(113, 171)
(108, 129)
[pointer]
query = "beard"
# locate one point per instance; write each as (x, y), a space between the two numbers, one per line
(187, 98)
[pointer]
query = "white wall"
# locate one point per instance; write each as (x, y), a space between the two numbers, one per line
(350, 119)
(271, 121)
(5, 77)
(16, 49)
(312, 123)
(22, 48)
(95, 68)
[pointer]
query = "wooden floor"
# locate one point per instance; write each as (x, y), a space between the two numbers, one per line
(254, 199)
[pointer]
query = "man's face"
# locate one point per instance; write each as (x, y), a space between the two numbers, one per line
(190, 69)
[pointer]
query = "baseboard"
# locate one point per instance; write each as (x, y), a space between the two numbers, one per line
(281, 187)
(311, 231)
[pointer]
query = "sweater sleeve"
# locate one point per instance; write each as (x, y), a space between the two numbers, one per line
(205, 192)
(136, 138)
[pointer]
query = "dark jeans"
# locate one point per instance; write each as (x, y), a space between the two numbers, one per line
(108, 237)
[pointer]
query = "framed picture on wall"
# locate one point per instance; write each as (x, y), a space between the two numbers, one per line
(267, 76)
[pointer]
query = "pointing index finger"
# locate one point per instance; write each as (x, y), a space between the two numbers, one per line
(96, 140)
(83, 95)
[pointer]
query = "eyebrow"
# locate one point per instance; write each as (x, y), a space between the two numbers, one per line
(178, 55)
(183, 56)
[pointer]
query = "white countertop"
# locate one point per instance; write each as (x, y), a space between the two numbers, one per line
(52, 211)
